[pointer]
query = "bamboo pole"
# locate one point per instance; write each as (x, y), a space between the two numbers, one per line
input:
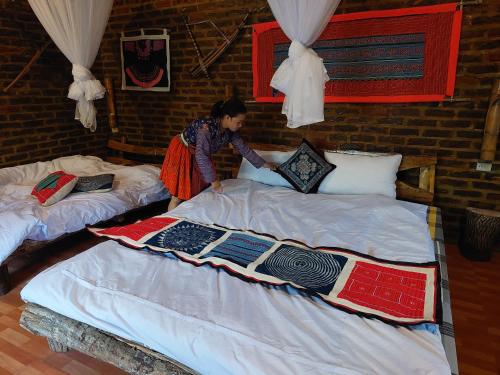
(108, 83)
(492, 125)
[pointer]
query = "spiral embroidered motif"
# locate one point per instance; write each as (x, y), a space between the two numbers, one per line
(310, 269)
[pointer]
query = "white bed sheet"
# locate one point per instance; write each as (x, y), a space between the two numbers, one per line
(133, 187)
(218, 324)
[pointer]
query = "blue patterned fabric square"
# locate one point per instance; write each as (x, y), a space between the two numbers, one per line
(310, 269)
(240, 248)
(305, 169)
(185, 236)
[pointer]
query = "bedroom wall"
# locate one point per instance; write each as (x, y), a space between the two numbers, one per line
(453, 131)
(36, 118)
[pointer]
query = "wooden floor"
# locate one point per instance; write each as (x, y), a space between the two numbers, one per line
(475, 293)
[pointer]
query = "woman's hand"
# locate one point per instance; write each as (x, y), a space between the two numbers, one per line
(271, 166)
(216, 186)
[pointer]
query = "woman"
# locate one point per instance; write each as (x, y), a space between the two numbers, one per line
(188, 169)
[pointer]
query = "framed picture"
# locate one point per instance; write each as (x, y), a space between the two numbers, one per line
(145, 62)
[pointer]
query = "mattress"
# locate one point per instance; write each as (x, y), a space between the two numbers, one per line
(218, 324)
(133, 187)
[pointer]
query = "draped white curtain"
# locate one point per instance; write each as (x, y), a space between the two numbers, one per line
(77, 27)
(302, 76)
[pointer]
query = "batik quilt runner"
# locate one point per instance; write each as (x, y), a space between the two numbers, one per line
(395, 292)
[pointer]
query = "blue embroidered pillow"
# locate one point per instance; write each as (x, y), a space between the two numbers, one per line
(305, 169)
(94, 184)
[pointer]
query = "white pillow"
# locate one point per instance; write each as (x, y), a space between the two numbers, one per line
(265, 175)
(361, 174)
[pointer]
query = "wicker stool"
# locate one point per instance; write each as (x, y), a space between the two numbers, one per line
(480, 232)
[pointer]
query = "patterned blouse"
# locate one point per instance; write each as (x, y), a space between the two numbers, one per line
(208, 137)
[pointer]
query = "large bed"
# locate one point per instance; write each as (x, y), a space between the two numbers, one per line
(23, 221)
(156, 314)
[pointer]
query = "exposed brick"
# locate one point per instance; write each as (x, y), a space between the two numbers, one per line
(494, 198)
(471, 155)
(422, 142)
(455, 144)
(36, 108)
(439, 113)
(453, 182)
(404, 131)
(421, 122)
(470, 134)
(436, 133)
(468, 193)
(479, 185)
(42, 114)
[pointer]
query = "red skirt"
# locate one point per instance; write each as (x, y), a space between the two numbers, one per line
(180, 173)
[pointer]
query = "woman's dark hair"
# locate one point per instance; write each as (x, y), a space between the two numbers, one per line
(232, 107)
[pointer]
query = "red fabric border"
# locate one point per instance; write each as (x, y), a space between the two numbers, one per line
(452, 61)
(455, 42)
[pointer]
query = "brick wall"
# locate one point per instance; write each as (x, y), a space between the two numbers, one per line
(453, 131)
(36, 118)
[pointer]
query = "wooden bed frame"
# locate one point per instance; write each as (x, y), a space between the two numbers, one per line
(122, 153)
(426, 165)
(63, 333)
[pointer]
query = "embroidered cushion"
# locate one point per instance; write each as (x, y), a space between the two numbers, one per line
(305, 169)
(361, 173)
(265, 175)
(94, 184)
(54, 187)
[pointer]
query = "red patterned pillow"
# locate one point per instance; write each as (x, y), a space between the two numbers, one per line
(54, 187)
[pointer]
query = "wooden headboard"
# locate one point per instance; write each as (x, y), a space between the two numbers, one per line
(123, 149)
(425, 165)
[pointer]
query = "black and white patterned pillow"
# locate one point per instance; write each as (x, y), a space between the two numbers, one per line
(94, 184)
(305, 169)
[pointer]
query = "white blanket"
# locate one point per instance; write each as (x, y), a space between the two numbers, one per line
(22, 217)
(218, 324)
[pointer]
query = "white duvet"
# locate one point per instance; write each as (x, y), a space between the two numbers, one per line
(218, 324)
(22, 217)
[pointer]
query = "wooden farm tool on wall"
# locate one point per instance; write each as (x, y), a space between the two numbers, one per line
(205, 61)
(492, 125)
(26, 69)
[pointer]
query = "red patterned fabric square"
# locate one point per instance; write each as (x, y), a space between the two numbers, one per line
(54, 187)
(396, 292)
(138, 230)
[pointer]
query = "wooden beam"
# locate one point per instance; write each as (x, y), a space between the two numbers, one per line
(416, 161)
(4, 279)
(133, 149)
(410, 193)
(26, 69)
(64, 333)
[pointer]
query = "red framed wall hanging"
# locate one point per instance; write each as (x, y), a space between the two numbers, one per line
(400, 55)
